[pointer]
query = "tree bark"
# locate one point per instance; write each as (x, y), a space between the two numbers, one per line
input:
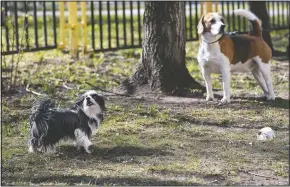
(260, 10)
(162, 64)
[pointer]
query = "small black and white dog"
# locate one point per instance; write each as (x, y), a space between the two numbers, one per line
(48, 124)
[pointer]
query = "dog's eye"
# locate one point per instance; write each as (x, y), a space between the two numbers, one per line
(212, 21)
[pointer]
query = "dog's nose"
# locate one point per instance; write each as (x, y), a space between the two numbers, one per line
(223, 27)
(87, 98)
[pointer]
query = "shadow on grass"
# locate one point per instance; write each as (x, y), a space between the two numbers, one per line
(109, 153)
(83, 179)
(278, 103)
(224, 124)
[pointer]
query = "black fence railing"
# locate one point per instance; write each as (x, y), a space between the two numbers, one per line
(26, 26)
(112, 25)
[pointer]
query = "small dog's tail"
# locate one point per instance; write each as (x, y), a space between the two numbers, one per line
(256, 22)
(39, 115)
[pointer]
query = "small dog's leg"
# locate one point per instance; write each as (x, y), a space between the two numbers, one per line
(51, 149)
(83, 140)
(208, 84)
(31, 145)
(258, 76)
(226, 76)
(30, 149)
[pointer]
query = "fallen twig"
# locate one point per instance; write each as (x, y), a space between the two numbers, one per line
(67, 87)
(125, 95)
(259, 175)
(33, 92)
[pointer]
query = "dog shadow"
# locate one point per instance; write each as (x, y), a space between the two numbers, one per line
(102, 180)
(108, 153)
(278, 103)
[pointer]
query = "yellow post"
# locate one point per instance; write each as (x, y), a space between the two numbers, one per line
(73, 23)
(62, 25)
(216, 6)
(208, 6)
(84, 25)
(201, 8)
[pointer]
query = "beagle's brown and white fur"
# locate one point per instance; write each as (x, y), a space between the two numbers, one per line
(221, 53)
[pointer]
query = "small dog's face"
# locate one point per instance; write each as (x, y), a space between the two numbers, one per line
(211, 22)
(92, 104)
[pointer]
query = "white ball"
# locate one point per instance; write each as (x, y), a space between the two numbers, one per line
(265, 133)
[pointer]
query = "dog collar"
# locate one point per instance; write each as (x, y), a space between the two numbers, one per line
(216, 40)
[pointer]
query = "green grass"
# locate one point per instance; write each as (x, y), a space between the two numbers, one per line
(148, 141)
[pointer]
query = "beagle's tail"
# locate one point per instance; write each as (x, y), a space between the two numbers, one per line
(256, 22)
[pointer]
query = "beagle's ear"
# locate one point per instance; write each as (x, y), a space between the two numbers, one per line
(200, 26)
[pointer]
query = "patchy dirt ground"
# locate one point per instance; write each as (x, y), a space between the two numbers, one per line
(149, 139)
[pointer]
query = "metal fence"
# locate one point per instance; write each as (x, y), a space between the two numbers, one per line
(112, 25)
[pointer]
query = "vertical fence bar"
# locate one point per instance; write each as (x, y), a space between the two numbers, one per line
(44, 23)
(239, 18)
(223, 10)
(244, 20)
(139, 23)
(84, 25)
(124, 22)
(6, 27)
(131, 25)
(196, 18)
(16, 26)
(185, 19)
(288, 13)
(35, 24)
(54, 24)
(228, 14)
(109, 24)
(233, 16)
(268, 9)
(273, 15)
(190, 20)
(101, 24)
(283, 13)
(117, 23)
(93, 25)
(278, 11)
(223, 13)
(26, 25)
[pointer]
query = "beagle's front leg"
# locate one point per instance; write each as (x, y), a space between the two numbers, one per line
(226, 76)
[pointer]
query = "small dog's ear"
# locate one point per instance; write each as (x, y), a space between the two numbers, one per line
(103, 97)
(200, 26)
(80, 101)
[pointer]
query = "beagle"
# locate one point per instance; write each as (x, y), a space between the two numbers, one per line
(222, 53)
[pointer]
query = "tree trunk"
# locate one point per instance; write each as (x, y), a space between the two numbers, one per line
(260, 10)
(162, 64)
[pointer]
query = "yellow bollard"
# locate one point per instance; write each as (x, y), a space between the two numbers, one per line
(73, 23)
(61, 25)
(208, 6)
(216, 6)
(201, 8)
(84, 25)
